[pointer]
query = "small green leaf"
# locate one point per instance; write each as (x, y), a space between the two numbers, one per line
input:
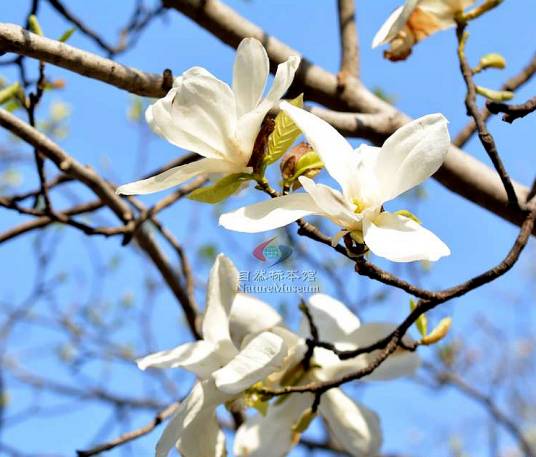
(495, 95)
(284, 134)
(492, 60)
(304, 421)
(220, 190)
(409, 215)
(66, 35)
(422, 322)
(7, 93)
(309, 161)
(34, 25)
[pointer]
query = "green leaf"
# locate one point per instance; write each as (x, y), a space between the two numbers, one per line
(34, 25)
(220, 190)
(492, 60)
(309, 161)
(422, 322)
(66, 35)
(495, 95)
(284, 134)
(7, 93)
(409, 215)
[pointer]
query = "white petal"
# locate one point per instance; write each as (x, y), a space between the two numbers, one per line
(204, 107)
(270, 214)
(263, 355)
(331, 146)
(166, 124)
(199, 357)
(249, 123)
(394, 23)
(332, 318)
(412, 154)
(284, 76)
(352, 425)
(195, 417)
(271, 435)
(222, 288)
(400, 239)
(401, 363)
(250, 315)
(250, 71)
(177, 175)
(332, 202)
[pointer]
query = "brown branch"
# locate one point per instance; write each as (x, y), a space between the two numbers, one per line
(513, 83)
(460, 172)
(132, 435)
(349, 38)
(106, 192)
(43, 221)
(452, 379)
(15, 39)
(485, 136)
(430, 300)
(513, 112)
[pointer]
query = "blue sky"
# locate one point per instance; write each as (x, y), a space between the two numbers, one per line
(102, 136)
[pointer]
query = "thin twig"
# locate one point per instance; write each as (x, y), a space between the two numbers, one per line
(472, 109)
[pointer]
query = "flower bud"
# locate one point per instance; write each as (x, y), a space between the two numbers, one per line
(301, 160)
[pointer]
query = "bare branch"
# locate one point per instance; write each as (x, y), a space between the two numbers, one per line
(105, 191)
(513, 112)
(513, 83)
(349, 38)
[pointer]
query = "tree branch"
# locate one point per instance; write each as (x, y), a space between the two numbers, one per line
(460, 172)
(105, 191)
(349, 38)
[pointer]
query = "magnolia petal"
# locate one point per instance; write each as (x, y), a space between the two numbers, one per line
(284, 76)
(204, 107)
(331, 146)
(249, 123)
(332, 203)
(199, 357)
(353, 426)
(394, 23)
(412, 154)
(195, 417)
(332, 318)
(263, 355)
(165, 124)
(400, 239)
(249, 315)
(222, 288)
(271, 435)
(177, 175)
(250, 72)
(270, 214)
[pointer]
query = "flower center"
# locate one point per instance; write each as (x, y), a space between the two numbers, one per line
(359, 206)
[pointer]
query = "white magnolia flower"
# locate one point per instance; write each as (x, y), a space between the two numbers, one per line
(353, 426)
(414, 21)
(369, 177)
(225, 365)
(204, 115)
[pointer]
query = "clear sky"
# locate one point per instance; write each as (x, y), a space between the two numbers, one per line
(414, 418)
